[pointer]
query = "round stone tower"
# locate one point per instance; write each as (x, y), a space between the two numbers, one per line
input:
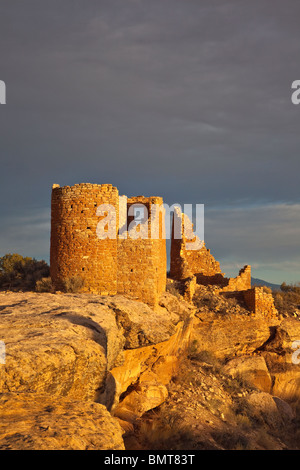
(75, 249)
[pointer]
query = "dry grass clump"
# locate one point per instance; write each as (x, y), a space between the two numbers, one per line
(172, 289)
(73, 284)
(164, 430)
(44, 285)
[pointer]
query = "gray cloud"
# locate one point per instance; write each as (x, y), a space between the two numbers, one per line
(265, 236)
(188, 100)
(28, 235)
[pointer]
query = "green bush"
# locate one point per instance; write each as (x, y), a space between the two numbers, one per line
(21, 273)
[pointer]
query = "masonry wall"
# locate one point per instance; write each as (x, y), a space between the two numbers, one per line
(134, 266)
(241, 282)
(138, 274)
(187, 262)
(142, 263)
(75, 249)
(260, 302)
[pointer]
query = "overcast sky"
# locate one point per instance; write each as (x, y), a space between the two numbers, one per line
(185, 99)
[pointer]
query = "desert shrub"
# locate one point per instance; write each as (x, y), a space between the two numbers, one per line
(229, 305)
(194, 354)
(73, 284)
(288, 300)
(44, 285)
(237, 384)
(232, 385)
(295, 287)
(264, 439)
(163, 429)
(8, 262)
(193, 349)
(203, 356)
(21, 273)
(186, 374)
(243, 421)
(231, 440)
(242, 407)
(210, 301)
(278, 300)
(213, 404)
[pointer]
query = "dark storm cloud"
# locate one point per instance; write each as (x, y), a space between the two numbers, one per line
(265, 236)
(27, 234)
(188, 100)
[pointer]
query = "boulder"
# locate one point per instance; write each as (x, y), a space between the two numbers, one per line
(251, 369)
(152, 363)
(229, 336)
(140, 324)
(145, 396)
(176, 305)
(281, 355)
(57, 344)
(266, 409)
(284, 335)
(79, 348)
(286, 411)
(66, 344)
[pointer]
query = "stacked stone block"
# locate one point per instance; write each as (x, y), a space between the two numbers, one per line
(260, 302)
(200, 262)
(186, 262)
(241, 282)
(125, 262)
(76, 250)
(142, 263)
(132, 266)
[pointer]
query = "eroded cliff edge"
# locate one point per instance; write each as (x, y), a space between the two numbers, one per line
(86, 349)
(80, 369)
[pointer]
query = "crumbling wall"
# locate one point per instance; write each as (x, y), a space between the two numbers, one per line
(260, 302)
(241, 282)
(199, 262)
(186, 262)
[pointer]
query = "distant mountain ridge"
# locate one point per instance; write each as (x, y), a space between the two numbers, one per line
(260, 282)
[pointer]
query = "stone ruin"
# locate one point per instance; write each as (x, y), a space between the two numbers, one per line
(113, 265)
(129, 264)
(200, 267)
